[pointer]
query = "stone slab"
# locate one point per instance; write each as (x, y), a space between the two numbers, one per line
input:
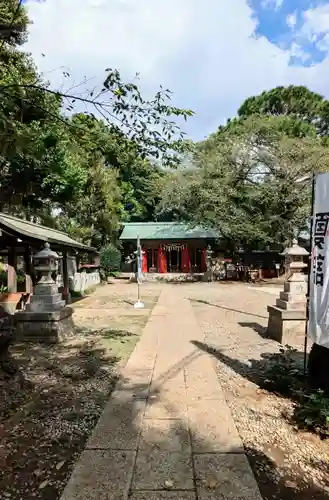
(37, 306)
(165, 435)
(51, 298)
(293, 305)
(137, 382)
(202, 382)
(225, 476)
(168, 381)
(291, 297)
(212, 428)
(283, 326)
(119, 426)
(163, 495)
(64, 312)
(164, 405)
(285, 314)
(154, 469)
(295, 287)
(45, 289)
(141, 357)
(101, 475)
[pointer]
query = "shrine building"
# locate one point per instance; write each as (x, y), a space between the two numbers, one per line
(169, 247)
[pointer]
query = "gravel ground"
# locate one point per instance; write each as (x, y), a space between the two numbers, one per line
(287, 464)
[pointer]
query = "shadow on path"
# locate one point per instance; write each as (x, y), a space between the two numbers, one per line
(170, 440)
(271, 481)
(251, 371)
(161, 447)
(260, 329)
(227, 308)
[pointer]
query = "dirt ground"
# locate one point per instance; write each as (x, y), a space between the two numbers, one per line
(48, 408)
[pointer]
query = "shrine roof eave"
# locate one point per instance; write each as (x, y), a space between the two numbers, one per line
(165, 231)
(35, 233)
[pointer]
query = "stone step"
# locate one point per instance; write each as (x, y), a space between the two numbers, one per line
(292, 306)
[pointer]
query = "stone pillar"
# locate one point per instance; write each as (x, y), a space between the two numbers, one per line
(287, 318)
(12, 271)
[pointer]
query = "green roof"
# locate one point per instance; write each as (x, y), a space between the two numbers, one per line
(165, 231)
(32, 231)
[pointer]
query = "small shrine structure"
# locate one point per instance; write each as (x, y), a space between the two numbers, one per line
(19, 241)
(170, 247)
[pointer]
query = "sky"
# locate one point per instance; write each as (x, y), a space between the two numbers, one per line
(211, 53)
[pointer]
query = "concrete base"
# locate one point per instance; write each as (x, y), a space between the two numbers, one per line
(48, 327)
(284, 325)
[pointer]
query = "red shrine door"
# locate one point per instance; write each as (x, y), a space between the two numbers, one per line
(162, 260)
(186, 260)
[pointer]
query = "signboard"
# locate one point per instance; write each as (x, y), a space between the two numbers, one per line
(173, 246)
(319, 272)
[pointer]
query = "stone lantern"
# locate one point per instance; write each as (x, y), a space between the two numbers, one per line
(288, 316)
(209, 253)
(293, 260)
(208, 275)
(45, 296)
(46, 318)
(45, 263)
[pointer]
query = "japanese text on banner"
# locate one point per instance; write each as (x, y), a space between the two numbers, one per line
(319, 235)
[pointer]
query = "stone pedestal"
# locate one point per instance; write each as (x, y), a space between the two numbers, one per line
(47, 327)
(287, 318)
(284, 325)
(46, 318)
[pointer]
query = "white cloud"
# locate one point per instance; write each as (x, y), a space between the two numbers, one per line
(292, 20)
(272, 4)
(317, 19)
(298, 52)
(204, 50)
(315, 28)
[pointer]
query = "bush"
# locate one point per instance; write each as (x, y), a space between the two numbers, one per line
(313, 412)
(110, 260)
(284, 373)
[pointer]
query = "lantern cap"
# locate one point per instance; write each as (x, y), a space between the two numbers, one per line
(46, 253)
(295, 250)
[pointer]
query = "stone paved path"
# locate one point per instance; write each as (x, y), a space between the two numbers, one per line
(167, 432)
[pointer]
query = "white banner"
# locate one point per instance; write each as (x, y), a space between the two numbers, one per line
(319, 273)
(139, 261)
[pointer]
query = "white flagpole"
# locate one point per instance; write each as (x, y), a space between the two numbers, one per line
(139, 304)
